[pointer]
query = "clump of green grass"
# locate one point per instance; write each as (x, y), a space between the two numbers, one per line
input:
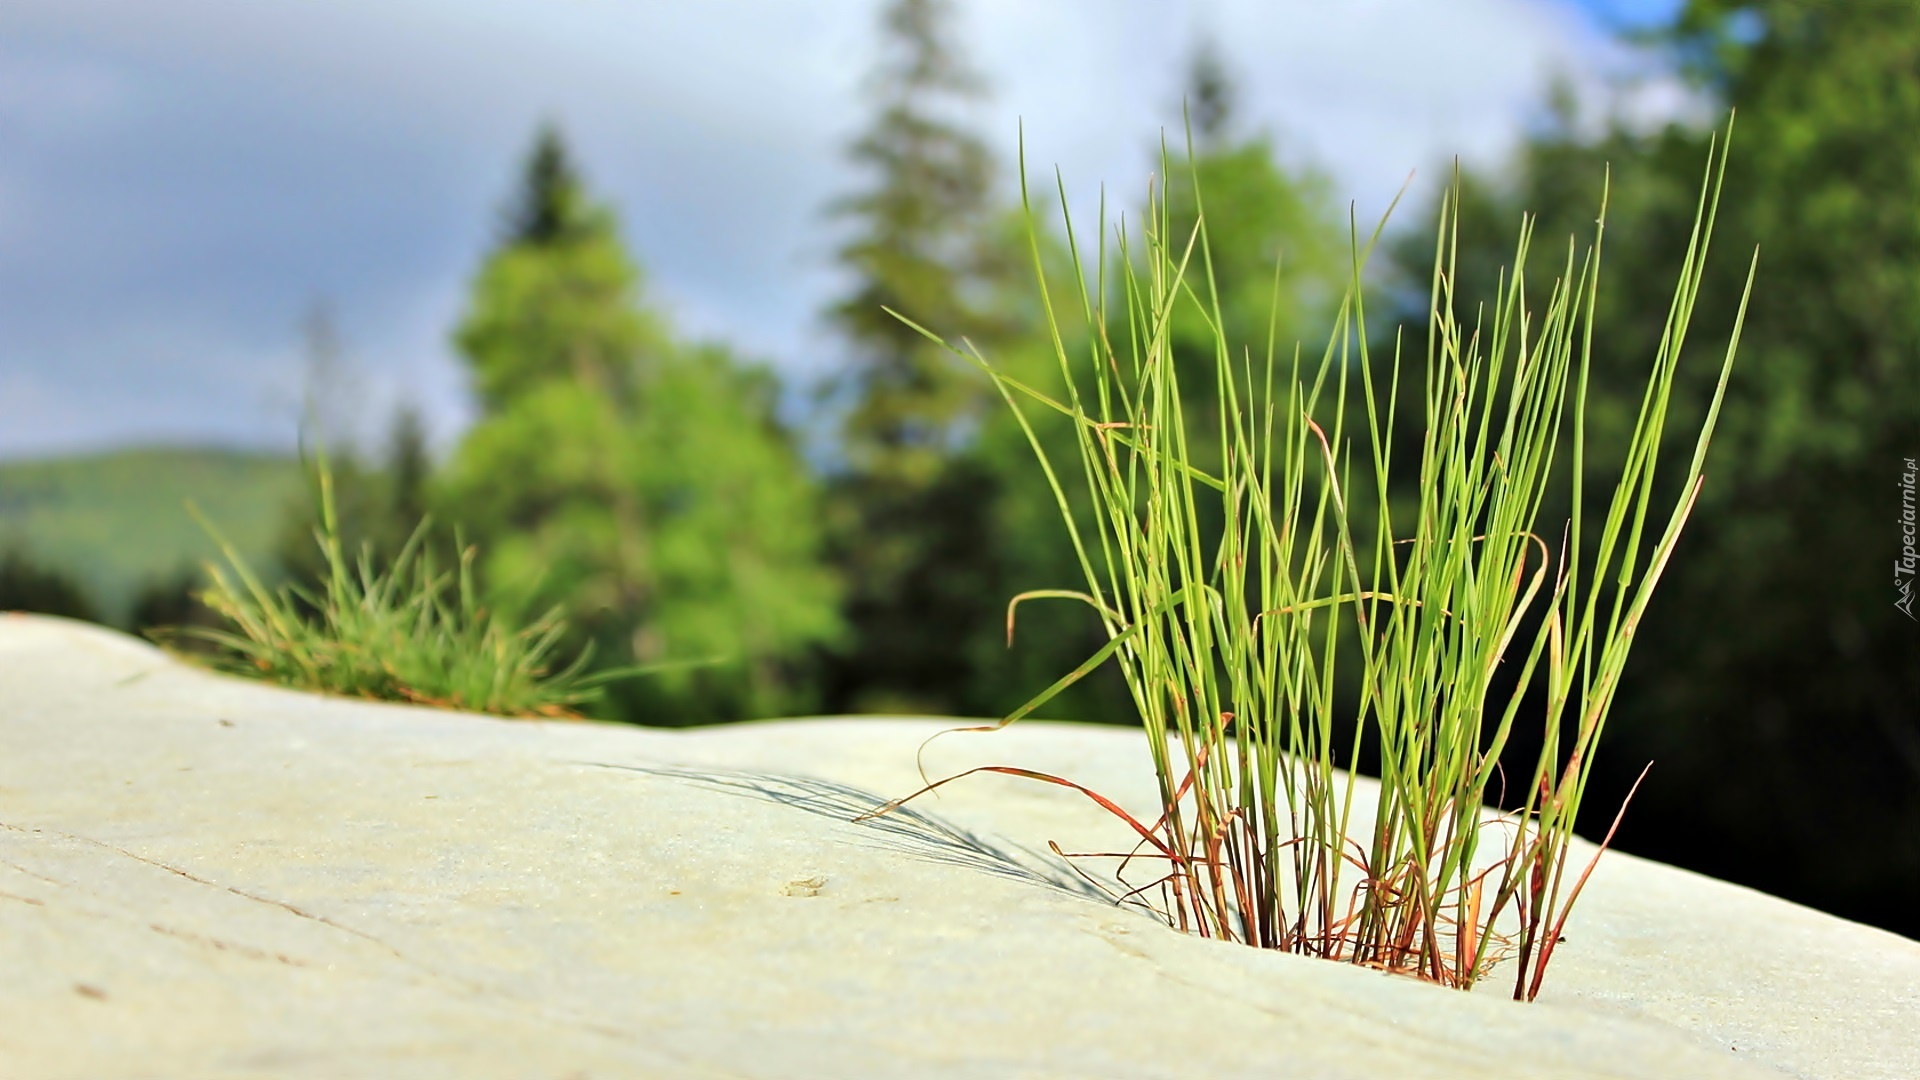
(403, 632)
(1238, 602)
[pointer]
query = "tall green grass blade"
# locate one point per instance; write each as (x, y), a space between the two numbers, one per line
(1241, 598)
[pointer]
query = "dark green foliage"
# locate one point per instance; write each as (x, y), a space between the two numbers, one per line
(1277, 257)
(645, 486)
(408, 467)
(1788, 693)
(1030, 548)
(926, 584)
(1775, 686)
(546, 209)
(25, 585)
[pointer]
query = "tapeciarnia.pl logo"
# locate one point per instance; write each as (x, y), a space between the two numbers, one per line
(1905, 565)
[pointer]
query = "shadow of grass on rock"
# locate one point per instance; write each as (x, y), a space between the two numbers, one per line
(906, 829)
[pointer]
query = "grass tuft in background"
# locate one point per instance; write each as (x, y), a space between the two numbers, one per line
(407, 631)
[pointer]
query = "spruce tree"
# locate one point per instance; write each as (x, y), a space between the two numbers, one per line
(908, 529)
(641, 484)
(408, 468)
(919, 247)
(1211, 94)
(545, 208)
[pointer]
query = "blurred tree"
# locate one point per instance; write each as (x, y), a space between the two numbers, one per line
(643, 485)
(546, 209)
(1774, 684)
(1786, 702)
(1210, 95)
(907, 520)
(28, 585)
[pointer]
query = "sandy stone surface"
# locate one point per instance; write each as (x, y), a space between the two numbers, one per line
(204, 877)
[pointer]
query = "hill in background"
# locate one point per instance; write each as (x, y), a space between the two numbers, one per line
(117, 521)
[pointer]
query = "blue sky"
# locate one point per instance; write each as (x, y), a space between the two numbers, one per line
(1630, 14)
(182, 184)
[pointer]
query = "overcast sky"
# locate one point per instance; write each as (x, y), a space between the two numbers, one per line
(183, 182)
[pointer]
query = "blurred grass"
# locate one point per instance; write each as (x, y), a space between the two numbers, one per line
(388, 630)
(115, 521)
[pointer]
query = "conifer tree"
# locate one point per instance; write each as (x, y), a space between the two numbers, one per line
(546, 210)
(921, 247)
(408, 468)
(640, 483)
(925, 242)
(1210, 94)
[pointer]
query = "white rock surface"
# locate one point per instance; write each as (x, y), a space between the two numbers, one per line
(204, 877)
